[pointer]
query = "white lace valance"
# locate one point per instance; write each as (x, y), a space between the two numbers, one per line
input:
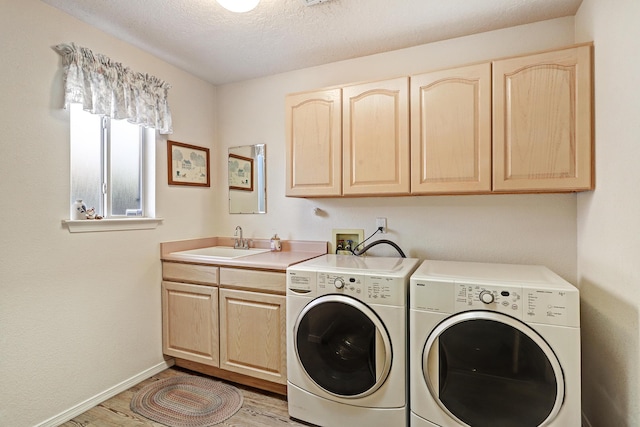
(109, 88)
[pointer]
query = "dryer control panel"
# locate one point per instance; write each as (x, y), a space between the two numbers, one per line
(531, 293)
(531, 304)
(487, 297)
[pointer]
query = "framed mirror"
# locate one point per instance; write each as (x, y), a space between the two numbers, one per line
(247, 179)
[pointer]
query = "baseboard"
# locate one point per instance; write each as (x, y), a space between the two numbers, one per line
(107, 394)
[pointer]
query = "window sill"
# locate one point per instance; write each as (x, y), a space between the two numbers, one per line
(93, 225)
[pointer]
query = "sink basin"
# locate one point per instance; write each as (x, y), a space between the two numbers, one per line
(224, 252)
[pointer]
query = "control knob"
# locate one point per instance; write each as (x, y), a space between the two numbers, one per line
(338, 283)
(486, 297)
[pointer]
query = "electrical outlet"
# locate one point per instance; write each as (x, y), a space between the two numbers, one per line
(381, 222)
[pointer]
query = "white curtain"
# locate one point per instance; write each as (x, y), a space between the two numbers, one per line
(109, 88)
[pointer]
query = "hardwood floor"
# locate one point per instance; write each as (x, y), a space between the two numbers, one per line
(260, 409)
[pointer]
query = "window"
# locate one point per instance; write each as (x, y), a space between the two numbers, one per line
(112, 165)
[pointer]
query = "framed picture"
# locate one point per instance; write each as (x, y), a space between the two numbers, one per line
(188, 164)
(240, 173)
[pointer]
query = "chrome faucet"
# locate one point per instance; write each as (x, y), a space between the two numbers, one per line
(240, 243)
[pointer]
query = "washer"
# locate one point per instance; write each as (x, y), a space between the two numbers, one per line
(493, 345)
(346, 340)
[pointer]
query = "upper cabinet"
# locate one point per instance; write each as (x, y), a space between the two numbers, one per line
(349, 141)
(514, 125)
(451, 131)
(314, 143)
(375, 138)
(542, 122)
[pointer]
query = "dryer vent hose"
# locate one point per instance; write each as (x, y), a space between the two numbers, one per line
(377, 242)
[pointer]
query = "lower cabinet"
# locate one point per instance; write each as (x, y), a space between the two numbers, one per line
(230, 324)
(190, 322)
(253, 334)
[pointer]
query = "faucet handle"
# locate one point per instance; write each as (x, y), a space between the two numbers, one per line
(241, 244)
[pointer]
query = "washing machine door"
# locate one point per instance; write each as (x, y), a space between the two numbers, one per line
(487, 369)
(343, 346)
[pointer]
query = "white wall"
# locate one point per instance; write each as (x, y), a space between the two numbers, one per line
(501, 228)
(79, 313)
(609, 219)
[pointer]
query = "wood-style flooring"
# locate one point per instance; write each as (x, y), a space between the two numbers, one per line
(260, 409)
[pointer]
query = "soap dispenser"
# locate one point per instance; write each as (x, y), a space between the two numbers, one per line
(275, 243)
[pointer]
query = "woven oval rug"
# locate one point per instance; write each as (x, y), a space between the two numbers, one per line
(187, 401)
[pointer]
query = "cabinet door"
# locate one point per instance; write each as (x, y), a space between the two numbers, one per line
(542, 122)
(252, 334)
(314, 144)
(375, 135)
(190, 322)
(451, 131)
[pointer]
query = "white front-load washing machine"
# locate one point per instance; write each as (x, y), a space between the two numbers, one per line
(493, 345)
(346, 340)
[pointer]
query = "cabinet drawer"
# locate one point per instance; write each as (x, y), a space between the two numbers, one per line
(264, 281)
(190, 273)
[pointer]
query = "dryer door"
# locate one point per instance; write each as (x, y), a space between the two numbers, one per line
(343, 346)
(487, 369)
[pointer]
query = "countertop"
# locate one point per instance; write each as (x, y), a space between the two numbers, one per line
(293, 252)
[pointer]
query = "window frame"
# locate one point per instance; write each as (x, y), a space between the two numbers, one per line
(106, 202)
(147, 220)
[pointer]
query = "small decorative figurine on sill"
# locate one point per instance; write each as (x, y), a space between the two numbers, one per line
(91, 214)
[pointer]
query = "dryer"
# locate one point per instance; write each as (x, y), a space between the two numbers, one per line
(493, 345)
(346, 340)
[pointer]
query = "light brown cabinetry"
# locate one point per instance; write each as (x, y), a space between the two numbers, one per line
(253, 323)
(351, 141)
(226, 322)
(314, 143)
(190, 322)
(375, 138)
(252, 334)
(190, 273)
(451, 131)
(542, 122)
(513, 125)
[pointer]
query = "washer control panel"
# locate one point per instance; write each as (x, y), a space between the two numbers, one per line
(386, 290)
(367, 288)
(374, 289)
(301, 282)
(332, 283)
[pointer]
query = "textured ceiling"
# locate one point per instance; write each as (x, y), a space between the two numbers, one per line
(221, 47)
